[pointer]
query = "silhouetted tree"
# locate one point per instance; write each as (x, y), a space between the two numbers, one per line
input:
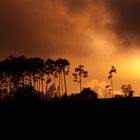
(87, 93)
(50, 70)
(65, 69)
(13, 71)
(62, 68)
(79, 74)
(18, 72)
(113, 70)
(108, 87)
(127, 90)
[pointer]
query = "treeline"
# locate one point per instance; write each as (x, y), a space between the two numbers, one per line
(46, 77)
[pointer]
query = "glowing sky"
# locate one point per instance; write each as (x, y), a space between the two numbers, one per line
(95, 33)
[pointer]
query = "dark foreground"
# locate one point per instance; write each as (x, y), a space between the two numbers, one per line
(63, 115)
(73, 107)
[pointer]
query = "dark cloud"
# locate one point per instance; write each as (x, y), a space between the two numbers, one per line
(126, 15)
(57, 27)
(34, 27)
(76, 6)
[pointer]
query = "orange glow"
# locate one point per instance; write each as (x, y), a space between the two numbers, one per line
(88, 33)
(131, 68)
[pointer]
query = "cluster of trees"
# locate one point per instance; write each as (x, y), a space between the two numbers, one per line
(46, 77)
(33, 76)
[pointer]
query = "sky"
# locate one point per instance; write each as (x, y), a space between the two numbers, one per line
(94, 33)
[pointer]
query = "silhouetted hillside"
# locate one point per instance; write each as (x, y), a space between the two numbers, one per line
(72, 106)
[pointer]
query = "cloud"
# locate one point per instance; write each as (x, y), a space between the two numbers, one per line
(98, 86)
(39, 27)
(57, 27)
(76, 6)
(126, 15)
(117, 20)
(123, 17)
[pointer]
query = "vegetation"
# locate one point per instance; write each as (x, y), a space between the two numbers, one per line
(79, 74)
(127, 90)
(21, 72)
(113, 70)
(38, 86)
(23, 79)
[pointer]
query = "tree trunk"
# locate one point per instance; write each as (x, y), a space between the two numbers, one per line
(34, 86)
(112, 87)
(42, 85)
(59, 85)
(39, 84)
(30, 80)
(62, 84)
(65, 82)
(46, 88)
(80, 83)
(34, 82)
(47, 84)
(54, 80)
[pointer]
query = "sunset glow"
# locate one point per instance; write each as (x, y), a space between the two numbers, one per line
(132, 68)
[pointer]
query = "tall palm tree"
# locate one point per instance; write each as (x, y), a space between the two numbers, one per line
(113, 70)
(58, 63)
(79, 74)
(32, 71)
(66, 66)
(17, 72)
(40, 71)
(62, 66)
(35, 72)
(50, 71)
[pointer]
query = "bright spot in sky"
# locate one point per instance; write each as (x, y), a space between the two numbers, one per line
(136, 67)
(131, 68)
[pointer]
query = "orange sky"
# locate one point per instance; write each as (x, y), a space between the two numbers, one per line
(95, 33)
